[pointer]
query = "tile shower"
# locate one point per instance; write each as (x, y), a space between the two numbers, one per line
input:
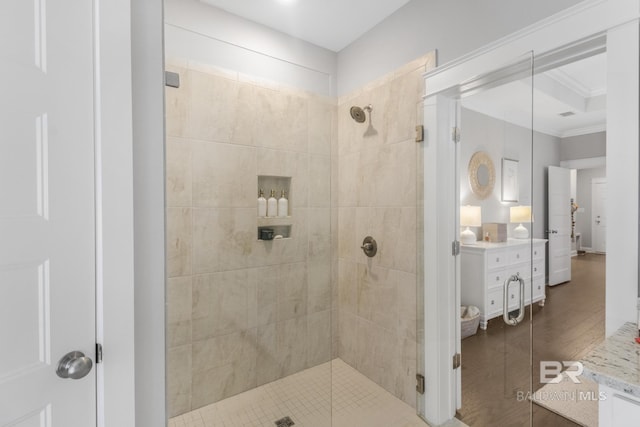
(243, 312)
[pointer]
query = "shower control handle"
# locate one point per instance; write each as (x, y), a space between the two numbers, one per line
(369, 246)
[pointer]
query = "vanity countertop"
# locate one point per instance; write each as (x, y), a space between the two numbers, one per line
(616, 361)
(509, 243)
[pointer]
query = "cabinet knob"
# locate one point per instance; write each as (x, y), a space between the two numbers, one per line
(497, 278)
(518, 256)
(497, 259)
(492, 302)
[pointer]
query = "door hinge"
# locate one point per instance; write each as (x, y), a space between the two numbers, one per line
(455, 134)
(420, 383)
(457, 360)
(455, 248)
(98, 353)
(419, 133)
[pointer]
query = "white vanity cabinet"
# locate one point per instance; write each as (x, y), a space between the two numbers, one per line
(484, 267)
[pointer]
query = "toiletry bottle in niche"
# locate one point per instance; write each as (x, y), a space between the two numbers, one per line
(272, 205)
(262, 204)
(283, 205)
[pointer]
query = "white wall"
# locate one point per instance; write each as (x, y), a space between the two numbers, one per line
(148, 198)
(584, 146)
(209, 35)
(453, 27)
(501, 139)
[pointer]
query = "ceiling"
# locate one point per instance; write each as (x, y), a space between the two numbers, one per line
(332, 24)
(567, 101)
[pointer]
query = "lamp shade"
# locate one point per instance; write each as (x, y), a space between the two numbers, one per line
(520, 214)
(470, 216)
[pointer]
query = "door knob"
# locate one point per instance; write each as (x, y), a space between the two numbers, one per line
(74, 365)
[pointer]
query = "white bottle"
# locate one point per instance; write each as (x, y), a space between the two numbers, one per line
(283, 206)
(272, 205)
(262, 204)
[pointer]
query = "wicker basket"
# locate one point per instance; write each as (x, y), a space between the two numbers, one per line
(468, 326)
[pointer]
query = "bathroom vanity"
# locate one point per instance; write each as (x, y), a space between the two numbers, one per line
(615, 366)
(485, 267)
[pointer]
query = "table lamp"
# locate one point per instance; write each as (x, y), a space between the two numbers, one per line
(470, 216)
(520, 215)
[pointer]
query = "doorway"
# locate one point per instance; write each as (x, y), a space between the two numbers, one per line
(599, 212)
(498, 112)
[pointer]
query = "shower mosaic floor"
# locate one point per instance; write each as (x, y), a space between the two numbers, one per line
(305, 397)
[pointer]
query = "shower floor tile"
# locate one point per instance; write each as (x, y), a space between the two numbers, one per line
(309, 398)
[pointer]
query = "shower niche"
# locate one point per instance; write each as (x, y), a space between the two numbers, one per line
(275, 227)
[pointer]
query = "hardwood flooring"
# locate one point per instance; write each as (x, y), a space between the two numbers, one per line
(498, 363)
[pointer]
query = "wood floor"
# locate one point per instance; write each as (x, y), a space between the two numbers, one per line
(497, 363)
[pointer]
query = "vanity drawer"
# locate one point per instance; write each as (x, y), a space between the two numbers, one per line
(497, 259)
(496, 278)
(520, 254)
(538, 252)
(494, 301)
(538, 286)
(538, 268)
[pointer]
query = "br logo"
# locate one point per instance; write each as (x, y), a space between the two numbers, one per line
(551, 371)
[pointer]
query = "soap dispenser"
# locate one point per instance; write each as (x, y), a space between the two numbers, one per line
(262, 204)
(283, 205)
(272, 205)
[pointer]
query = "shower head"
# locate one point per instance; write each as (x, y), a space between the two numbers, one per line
(358, 114)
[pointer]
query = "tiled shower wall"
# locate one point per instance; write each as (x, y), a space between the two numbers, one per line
(378, 196)
(244, 312)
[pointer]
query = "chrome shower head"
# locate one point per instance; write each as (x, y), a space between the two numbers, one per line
(358, 114)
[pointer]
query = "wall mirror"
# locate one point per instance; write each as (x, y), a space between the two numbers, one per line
(482, 174)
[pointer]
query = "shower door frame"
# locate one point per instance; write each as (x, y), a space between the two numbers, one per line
(619, 21)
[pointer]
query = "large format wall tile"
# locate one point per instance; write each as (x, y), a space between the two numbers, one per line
(211, 110)
(242, 310)
(292, 291)
(238, 375)
(220, 303)
(319, 181)
(318, 338)
(216, 181)
(321, 112)
(178, 170)
(179, 241)
(378, 169)
(179, 291)
(179, 379)
(223, 238)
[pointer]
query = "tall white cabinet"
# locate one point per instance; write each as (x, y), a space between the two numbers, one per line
(485, 267)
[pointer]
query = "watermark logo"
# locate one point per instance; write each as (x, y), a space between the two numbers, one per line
(551, 371)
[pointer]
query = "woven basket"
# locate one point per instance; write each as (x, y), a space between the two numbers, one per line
(469, 326)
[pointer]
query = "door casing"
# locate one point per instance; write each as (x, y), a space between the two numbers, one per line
(619, 21)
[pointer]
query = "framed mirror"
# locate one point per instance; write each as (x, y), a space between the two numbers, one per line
(482, 174)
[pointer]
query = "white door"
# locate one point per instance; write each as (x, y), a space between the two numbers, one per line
(47, 248)
(559, 231)
(599, 215)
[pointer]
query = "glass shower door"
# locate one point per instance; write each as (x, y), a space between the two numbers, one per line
(499, 247)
